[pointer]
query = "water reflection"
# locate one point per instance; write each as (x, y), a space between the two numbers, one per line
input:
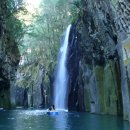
(39, 120)
(61, 121)
(100, 122)
(29, 120)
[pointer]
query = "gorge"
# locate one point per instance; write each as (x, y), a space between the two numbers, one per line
(97, 65)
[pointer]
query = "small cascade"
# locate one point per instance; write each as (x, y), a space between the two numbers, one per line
(61, 80)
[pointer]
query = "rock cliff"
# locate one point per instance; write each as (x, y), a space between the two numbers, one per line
(99, 49)
(9, 59)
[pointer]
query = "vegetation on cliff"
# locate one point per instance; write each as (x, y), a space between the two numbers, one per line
(98, 58)
(101, 84)
(11, 31)
(40, 45)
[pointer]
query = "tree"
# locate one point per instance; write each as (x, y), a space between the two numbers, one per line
(41, 43)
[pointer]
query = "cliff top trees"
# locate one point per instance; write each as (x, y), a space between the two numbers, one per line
(41, 43)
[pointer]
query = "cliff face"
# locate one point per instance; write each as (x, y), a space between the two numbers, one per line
(101, 84)
(31, 87)
(9, 59)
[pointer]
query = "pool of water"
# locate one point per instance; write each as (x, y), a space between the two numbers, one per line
(39, 120)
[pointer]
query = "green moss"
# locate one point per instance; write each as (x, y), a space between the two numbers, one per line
(5, 99)
(127, 61)
(74, 18)
(107, 88)
(99, 73)
(87, 99)
(110, 88)
(125, 116)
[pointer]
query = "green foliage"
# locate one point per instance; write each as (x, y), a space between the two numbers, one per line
(28, 75)
(126, 48)
(15, 27)
(41, 43)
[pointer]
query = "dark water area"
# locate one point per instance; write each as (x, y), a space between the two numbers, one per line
(39, 120)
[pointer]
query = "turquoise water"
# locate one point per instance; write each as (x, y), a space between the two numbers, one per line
(39, 120)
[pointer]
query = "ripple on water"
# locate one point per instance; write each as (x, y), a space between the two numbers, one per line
(39, 120)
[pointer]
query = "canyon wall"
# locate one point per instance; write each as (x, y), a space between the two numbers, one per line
(98, 59)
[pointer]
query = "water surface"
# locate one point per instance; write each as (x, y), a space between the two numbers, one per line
(39, 120)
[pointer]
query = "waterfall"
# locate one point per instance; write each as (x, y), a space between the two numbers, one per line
(61, 80)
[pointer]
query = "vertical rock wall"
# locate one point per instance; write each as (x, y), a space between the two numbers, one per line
(31, 90)
(102, 80)
(9, 59)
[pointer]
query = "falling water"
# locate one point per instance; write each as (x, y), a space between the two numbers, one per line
(61, 81)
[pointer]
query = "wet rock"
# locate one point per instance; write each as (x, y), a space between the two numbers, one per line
(9, 59)
(98, 61)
